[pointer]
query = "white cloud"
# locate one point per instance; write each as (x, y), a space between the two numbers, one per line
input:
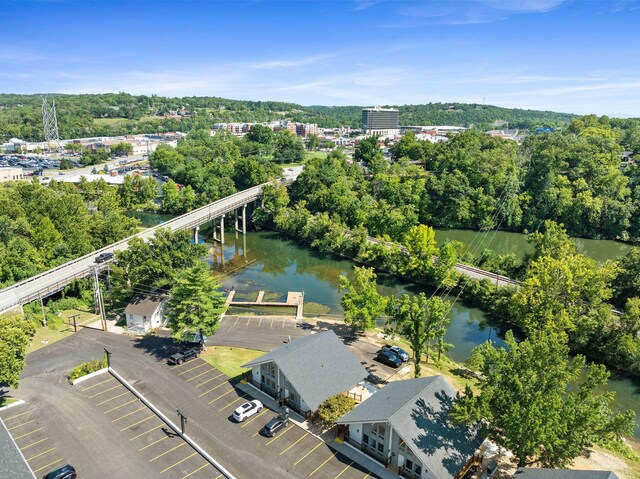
(469, 12)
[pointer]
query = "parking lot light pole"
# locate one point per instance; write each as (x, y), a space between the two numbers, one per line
(108, 353)
(183, 421)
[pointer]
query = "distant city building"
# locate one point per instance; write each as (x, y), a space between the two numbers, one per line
(380, 121)
(11, 174)
(306, 129)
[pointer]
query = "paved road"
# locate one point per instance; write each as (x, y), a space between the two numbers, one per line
(83, 434)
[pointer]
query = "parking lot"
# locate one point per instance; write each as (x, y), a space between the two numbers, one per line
(32, 433)
(294, 449)
(263, 333)
(129, 422)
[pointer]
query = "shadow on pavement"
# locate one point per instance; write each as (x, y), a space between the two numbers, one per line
(343, 331)
(160, 347)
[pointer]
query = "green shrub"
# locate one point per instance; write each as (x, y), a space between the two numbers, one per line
(334, 408)
(67, 303)
(85, 368)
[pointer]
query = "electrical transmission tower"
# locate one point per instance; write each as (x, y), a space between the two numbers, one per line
(50, 121)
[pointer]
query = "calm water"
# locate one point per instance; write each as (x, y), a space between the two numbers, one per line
(149, 219)
(503, 242)
(266, 261)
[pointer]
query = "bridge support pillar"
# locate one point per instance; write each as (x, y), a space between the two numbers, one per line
(243, 217)
(195, 234)
(222, 232)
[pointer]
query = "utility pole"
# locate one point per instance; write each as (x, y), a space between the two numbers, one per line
(109, 284)
(44, 316)
(97, 295)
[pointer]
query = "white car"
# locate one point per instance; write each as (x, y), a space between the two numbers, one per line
(248, 409)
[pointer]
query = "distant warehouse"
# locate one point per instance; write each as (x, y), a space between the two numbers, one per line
(380, 121)
(11, 174)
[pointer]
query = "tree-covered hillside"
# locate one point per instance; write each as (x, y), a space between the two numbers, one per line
(455, 114)
(120, 113)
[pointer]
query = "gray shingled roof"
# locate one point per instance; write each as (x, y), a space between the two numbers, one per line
(11, 459)
(145, 305)
(418, 411)
(531, 473)
(317, 366)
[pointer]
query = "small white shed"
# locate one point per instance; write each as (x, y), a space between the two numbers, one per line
(145, 313)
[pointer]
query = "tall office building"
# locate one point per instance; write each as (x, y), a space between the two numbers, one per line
(380, 121)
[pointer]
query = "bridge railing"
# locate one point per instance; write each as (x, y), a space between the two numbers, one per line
(221, 206)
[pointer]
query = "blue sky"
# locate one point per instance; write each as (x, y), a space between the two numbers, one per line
(570, 56)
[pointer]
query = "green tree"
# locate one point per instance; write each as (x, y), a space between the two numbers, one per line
(15, 334)
(155, 264)
(260, 134)
(121, 149)
(334, 408)
(274, 200)
(312, 142)
(627, 283)
(535, 402)
(420, 321)
(562, 293)
(171, 202)
(196, 302)
(361, 302)
(288, 147)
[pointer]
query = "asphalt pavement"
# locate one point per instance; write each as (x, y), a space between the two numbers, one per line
(101, 441)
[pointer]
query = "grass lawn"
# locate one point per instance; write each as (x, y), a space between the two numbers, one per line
(7, 401)
(51, 334)
(228, 360)
(316, 154)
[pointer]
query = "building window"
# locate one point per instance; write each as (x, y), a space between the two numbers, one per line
(381, 447)
(418, 469)
(381, 430)
(408, 464)
(365, 439)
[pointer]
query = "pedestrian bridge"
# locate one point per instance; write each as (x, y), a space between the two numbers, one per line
(54, 280)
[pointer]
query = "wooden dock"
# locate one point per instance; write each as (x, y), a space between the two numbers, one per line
(294, 299)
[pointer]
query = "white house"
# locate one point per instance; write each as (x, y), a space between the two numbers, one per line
(406, 426)
(145, 313)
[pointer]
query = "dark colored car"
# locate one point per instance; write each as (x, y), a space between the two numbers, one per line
(184, 355)
(65, 472)
(106, 256)
(397, 351)
(193, 339)
(272, 427)
(388, 358)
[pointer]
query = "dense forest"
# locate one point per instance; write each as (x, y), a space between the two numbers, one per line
(43, 227)
(112, 114)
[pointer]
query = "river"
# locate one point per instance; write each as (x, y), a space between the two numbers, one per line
(503, 242)
(275, 264)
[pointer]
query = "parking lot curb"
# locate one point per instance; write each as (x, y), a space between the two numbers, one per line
(169, 423)
(13, 404)
(89, 376)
